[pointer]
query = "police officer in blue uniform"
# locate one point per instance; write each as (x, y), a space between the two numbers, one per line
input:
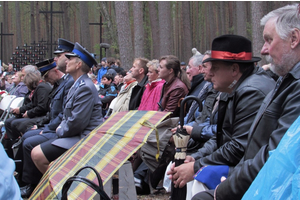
(82, 112)
(61, 82)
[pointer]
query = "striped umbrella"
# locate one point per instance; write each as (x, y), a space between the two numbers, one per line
(106, 149)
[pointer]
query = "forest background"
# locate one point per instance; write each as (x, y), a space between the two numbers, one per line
(130, 29)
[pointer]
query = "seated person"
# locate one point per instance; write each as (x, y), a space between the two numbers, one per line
(20, 89)
(94, 79)
(123, 98)
(8, 184)
(153, 89)
(174, 88)
(107, 92)
(246, 87)
(30, 113)
(119, 79)
(205, 125)
(81, 115)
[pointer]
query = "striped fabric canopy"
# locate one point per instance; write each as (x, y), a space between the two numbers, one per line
(106, 149)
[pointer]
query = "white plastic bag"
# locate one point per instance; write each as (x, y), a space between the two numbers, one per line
(167, 182)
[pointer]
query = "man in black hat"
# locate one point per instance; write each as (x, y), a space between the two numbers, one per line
(279, 109)
(243, 88)
(82, 112)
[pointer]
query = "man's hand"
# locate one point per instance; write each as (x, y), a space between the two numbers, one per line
(181, 174)
(189, 159)
(188, 129)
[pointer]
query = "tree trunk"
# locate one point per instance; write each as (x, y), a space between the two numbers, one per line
(138, 29)
(165, 27)
(110, 35)
(187, 35)
(66, 19)
(257, 29)
(5, 30)
(32, 23)
(18, 24)
(124, 34)
(241, 22)
(154, 29)
(84, 25)
(38, 24)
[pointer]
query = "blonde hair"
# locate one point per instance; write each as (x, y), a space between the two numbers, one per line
(154, 64)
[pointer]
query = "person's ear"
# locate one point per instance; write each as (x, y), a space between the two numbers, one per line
(295, 38)
(79, 64)
(141, 70)
(235, 69)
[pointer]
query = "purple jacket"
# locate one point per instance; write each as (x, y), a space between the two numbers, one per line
(20, 90)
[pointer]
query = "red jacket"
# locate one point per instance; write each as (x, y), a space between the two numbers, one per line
(151, 96)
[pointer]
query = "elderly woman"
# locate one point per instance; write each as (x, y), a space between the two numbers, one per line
(121, 102)
(31, 112)
(20, 89)
(153, 89)
(174, 88)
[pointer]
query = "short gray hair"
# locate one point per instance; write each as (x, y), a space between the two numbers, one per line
(287, 18)
(30, 68)
(197, 60)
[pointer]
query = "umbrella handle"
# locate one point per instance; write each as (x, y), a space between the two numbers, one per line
(97, 188)
(183, 102)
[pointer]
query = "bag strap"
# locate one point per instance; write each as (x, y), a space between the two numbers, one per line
(97, 188)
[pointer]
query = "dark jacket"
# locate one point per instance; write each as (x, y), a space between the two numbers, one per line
(38, 105)
(172, 92)
(137, 93)
(237, 111)
(197, 84)
(205, 126)
(277, 113)
(107, 93)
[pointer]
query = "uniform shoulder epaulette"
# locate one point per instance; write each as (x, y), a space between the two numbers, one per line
(81, 83)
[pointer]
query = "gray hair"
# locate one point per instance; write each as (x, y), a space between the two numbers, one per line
(287, 18)
(30, 68)
(208, 52)
(197, 60)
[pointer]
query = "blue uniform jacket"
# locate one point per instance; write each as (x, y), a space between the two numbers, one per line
(81, 115)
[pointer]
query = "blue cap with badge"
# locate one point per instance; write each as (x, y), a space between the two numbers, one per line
(64, 46)
(83, 54)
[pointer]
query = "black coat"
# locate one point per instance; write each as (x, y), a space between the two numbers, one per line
(237, 111)
(274, 117)
(38, 104)
(137, 93)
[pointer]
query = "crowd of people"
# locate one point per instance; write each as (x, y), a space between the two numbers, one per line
(246, 109)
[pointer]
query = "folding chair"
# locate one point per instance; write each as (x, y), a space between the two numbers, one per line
(5, 107)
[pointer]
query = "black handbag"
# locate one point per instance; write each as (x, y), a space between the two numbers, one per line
(98, 188)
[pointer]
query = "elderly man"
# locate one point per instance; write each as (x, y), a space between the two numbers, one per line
(279, 109)
(193, 71)
(244, 87)
(139, 71)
